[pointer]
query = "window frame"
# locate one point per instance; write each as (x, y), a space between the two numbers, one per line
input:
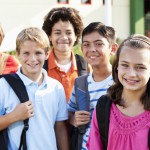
(89, 3)
(61, 2)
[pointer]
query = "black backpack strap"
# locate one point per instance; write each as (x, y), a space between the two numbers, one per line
(81, 65)
(149, 139)
(45, 66)
(19, 88)
(102, 114)
(83, 103)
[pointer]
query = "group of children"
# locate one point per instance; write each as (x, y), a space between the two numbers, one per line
(126, 82)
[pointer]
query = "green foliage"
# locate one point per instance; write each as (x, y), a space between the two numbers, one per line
(13, 52)
(77, 49)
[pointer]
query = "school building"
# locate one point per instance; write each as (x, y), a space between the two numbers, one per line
(126, 16)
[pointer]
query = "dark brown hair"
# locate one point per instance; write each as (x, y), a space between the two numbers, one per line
(115, 91)
(105, 31)
(64, 14)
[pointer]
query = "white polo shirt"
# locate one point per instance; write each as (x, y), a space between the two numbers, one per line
(49, 106)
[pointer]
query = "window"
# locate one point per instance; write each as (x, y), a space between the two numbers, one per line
(85, 1)
(63, 1)
(104, 2)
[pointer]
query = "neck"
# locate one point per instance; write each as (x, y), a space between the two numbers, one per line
(37, 78)
(63, 58)
(99, 74)
(132, 97)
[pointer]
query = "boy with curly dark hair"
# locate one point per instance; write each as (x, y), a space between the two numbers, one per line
(63, 26)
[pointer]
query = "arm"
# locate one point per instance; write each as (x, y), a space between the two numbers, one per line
(61, 135)
(79, 118)
(94, 141)
(21, 112)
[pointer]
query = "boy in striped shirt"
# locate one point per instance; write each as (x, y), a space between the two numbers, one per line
(98, 44)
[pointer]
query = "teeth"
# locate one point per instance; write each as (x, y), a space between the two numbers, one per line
(131, 81)
(33, 65)
(92, 57)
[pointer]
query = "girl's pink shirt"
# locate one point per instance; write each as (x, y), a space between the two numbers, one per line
(125, 133)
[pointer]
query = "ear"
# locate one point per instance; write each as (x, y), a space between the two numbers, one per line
(17, 53)
(47, 55)
(50, 38)
(114, 48)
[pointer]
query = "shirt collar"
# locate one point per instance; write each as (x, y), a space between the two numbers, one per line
(28, 81)
(53, 64)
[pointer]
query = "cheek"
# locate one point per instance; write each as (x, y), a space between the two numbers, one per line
(84, 51)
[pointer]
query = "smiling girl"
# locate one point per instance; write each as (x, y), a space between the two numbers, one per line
(129, 122)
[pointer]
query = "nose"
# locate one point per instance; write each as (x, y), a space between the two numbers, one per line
(32, 57)
(64, 36)
(92, 48)
(132, 72)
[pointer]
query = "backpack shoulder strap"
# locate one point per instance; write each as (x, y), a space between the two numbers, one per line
(81, 65)
(81, 93)
(45, 66)
(83, 103)
(19, 88)
(149, 139)
(103, 113)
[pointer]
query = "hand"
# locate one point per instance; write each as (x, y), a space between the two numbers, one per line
(23, 111)
(81, 118)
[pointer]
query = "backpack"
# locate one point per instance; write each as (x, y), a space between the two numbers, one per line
(103, 107)
(19, 88)
(82, 101)
(81, 65)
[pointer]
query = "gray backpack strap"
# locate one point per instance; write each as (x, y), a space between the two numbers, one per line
(83, 103)
(82, 65)
(81, 93)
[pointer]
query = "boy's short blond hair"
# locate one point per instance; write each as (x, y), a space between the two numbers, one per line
(33, 34)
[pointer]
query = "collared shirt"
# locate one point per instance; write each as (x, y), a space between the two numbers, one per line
(66, 79)
(49, 106)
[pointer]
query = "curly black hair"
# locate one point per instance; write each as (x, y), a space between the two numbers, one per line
(64, 14)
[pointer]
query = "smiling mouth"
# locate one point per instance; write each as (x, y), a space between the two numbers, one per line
(131, 81)
(93, 57)
(33, 65)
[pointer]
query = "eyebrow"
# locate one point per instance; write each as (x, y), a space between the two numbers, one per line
(93, 41)
(128, 62)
